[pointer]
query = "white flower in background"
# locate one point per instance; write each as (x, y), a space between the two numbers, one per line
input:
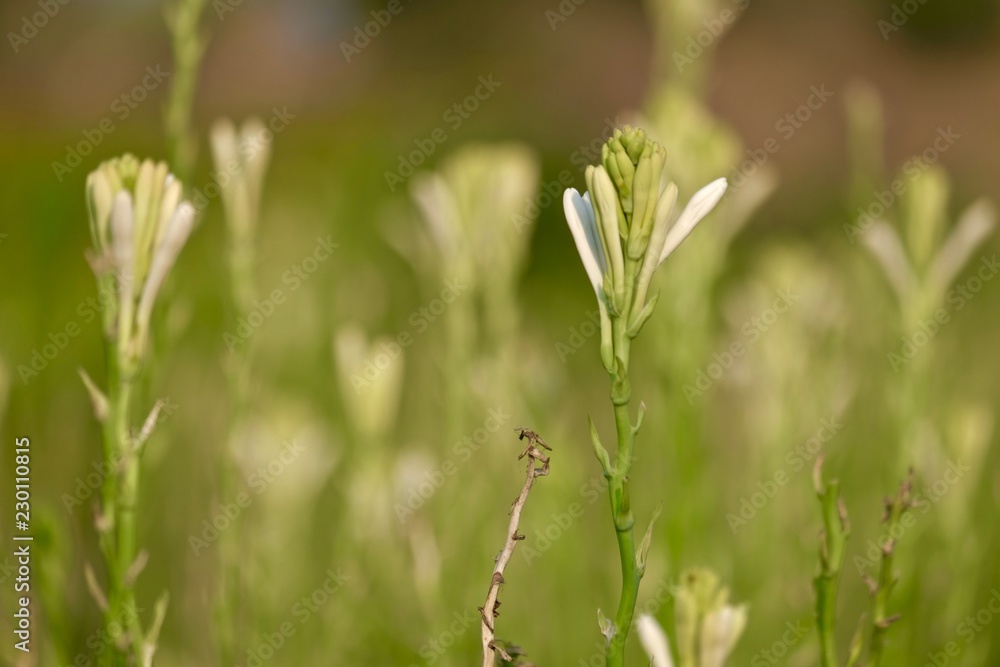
(922, 264)
(138, 225)
(474, 211)
(720, 630)
(370, 374)
(654, 641)
(242, 156)
(708, 627)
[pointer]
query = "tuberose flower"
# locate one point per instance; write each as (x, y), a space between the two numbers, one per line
(624, 227)
(632, 207)
(138, 225)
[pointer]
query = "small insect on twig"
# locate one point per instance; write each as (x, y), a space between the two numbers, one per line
(532, 437)
(538, 466)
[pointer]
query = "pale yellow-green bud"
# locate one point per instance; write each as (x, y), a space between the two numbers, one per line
(621, 170)
(606, 208)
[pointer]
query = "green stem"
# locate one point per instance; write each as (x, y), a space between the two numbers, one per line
(621, 510)
(232, 616)
(886, 580)
(120, 494)
(832, 550)
(183, 20)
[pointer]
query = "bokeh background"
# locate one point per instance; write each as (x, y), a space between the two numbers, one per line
(516, 347)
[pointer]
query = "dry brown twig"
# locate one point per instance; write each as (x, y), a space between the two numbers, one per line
(538, 466)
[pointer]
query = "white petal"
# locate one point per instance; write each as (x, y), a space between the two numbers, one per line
(166, 253)
(973, 227)
(654, 641)
(583, 226)
(884, 243)
(701, 204)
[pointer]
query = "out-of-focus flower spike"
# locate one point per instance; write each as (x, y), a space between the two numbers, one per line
(720, 630)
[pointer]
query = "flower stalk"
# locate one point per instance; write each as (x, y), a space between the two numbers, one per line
(623, 229)
(138, 225)
(236, 151)
(187, 41)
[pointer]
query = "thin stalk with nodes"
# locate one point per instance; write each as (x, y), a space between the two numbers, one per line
(138, 225)
(624, 228)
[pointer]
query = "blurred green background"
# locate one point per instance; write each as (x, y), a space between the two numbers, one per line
(411, 585)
